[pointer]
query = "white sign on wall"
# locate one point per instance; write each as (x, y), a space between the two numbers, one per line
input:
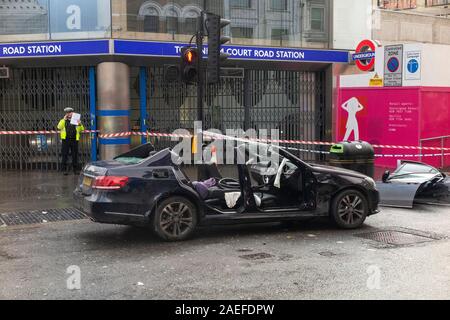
(413, 65)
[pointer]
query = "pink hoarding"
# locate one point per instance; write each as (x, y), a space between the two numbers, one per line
(435, 123)
(380, 116)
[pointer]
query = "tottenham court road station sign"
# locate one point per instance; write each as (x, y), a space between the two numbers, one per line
(163, 49)
(166, 49)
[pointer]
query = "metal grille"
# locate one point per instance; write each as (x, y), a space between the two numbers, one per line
(34, 99)
(257, 256)
(35, 217)
(400, 236)
(290, 101)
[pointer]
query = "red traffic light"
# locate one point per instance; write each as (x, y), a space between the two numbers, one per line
(189, 64)
(190, 56)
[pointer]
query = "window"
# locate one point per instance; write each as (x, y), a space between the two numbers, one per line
(397, 4)
(278, 34)
(241, 32)
(190, 26)
(240, 3)
(410, 168)
(317, 19)
(279, 5)
(172, 25)
(431, 3)
(151, 24)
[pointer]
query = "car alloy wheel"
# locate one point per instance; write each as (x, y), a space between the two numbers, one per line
(350, 209)
(175, 219)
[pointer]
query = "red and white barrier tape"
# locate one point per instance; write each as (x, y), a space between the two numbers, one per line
(377, 155)
(276, 141)
(24, 133)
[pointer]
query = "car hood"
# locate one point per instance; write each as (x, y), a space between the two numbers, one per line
(337, 170)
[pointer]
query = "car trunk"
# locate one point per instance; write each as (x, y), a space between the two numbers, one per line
(91, 171)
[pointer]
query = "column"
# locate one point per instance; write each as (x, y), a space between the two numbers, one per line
(113, 107)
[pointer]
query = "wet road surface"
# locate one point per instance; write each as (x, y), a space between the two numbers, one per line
(309, 261)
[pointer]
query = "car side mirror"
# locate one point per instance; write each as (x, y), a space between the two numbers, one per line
(386, 175)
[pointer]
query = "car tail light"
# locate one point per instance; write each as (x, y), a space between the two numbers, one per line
(110, 183)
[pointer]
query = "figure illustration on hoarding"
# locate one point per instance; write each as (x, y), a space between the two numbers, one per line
(352, 106)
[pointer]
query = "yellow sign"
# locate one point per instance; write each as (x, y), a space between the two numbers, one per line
(376, 81)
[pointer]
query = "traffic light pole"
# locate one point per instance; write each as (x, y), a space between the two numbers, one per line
(200, 85)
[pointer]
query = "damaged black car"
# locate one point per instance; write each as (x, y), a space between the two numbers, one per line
(149, 188)
(414, 183)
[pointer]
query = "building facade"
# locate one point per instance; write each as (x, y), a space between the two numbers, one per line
(107, 59)
(408, 21)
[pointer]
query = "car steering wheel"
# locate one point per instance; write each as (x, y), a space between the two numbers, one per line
(229, 183)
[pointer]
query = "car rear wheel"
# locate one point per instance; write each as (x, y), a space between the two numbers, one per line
(175, 219)
(349, 209)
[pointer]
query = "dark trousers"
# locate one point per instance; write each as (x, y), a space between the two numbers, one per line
(72, 146)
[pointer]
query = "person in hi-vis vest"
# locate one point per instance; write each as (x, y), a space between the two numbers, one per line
(70, 135)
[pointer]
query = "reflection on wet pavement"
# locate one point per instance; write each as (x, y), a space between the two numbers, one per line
(35, 190)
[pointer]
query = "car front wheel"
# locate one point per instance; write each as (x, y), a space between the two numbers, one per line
(175, 219)
(349, 209)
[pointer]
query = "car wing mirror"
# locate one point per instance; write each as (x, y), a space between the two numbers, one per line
(386, 176)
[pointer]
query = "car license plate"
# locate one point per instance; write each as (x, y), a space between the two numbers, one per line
(87, 181)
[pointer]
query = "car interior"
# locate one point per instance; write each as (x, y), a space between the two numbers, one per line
(257, 183)
(413, 172)
(260, 184)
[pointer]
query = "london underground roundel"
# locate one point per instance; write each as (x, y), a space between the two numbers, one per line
(365, 55)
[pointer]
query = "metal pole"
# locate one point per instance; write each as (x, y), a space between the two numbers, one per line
(443, 153)
(93, 112)
(143, 101)
(199, 40)
(421, 150)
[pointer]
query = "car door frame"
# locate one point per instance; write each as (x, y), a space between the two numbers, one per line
(309, 186)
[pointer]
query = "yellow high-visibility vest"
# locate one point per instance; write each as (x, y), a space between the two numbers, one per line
(62, 128)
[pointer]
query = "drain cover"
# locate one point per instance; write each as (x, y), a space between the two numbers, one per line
(33, 217)
(400, 237)
(257, 256)
(328, 254)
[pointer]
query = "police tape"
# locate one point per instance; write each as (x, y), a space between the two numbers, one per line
(41, 132)
(376, 155)
(224, 137)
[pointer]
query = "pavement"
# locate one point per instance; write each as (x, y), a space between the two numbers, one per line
(39, 190)
(312, 260)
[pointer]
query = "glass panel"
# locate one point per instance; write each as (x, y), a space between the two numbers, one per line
(285, 23)
(24, 20)
(317, 19)
(240, 3)
(278, 4)
(415, 168)
(80, 19)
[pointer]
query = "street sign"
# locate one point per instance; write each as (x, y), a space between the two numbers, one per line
(364, 56)
(393, 66)
(376, 81)
(413, 63)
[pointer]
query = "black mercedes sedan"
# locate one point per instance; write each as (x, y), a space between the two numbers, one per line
(149, 188)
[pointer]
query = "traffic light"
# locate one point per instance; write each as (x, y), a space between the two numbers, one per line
(171, 73)
(214, 25)
(189, 65)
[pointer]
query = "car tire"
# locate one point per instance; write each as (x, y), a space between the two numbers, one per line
(349, 209)
(175, 219)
